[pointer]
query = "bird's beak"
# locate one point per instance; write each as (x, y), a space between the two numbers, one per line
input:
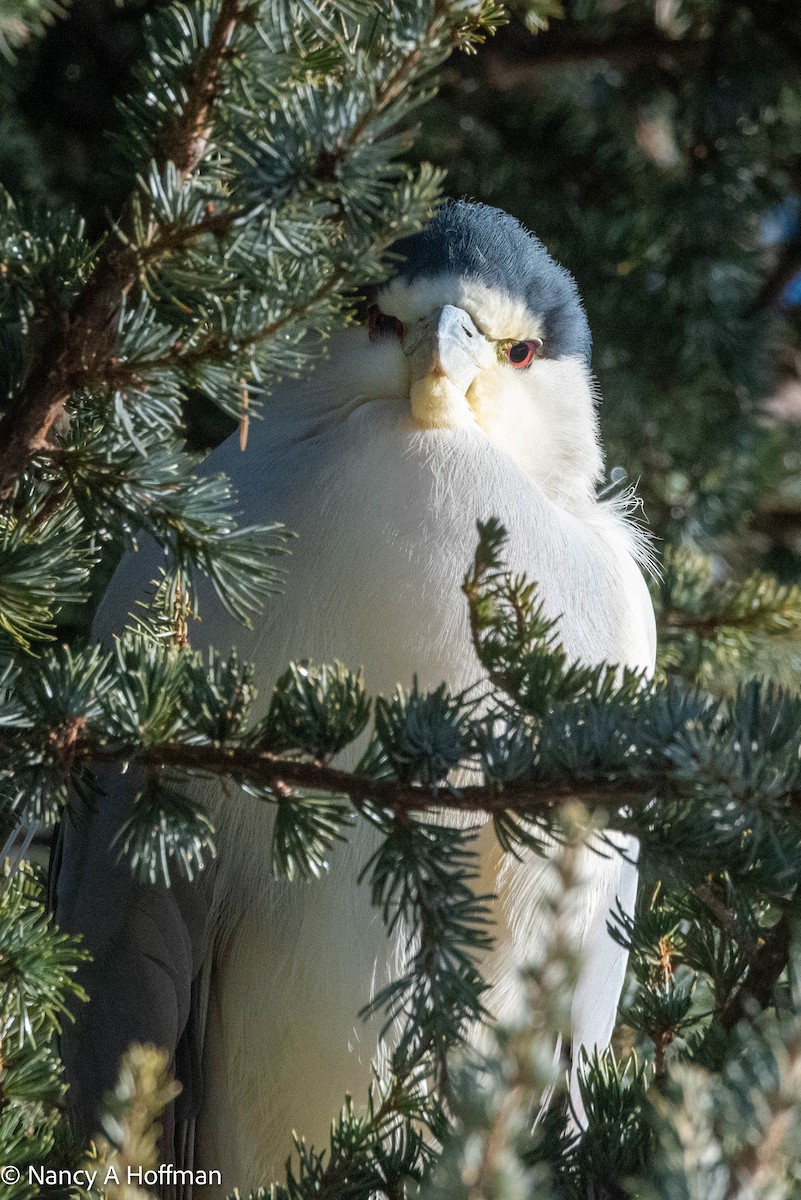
(446, 343)
(445, 353)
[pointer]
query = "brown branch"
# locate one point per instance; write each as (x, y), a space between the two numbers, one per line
(185, 142)
(705, 626)
(766, 968)
(508, 66)
(67, 358)
(264, 768)
(726, 921)
(72, 354)
(215, 346)
(166, 240)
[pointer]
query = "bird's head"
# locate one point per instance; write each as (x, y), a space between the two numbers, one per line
(481, 328)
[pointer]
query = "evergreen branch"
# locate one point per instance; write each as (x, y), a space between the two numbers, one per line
(216, 346)
(45, 559)
(268, 771)
(74, 352)
(194, 517)
(80, 353)
(727, 921)
(174, 239)
(379, 1151)
(185, 143)
(422, 879)
(37, 989)
(690, 596)
(265, 770)
(392, 87)
(732, 1132)
(706, 623)
(573, 732)
(493, 1145)
(67, 359)
(37, 966)
(130, 1122)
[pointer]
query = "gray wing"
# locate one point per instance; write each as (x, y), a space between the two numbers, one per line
(145, 981)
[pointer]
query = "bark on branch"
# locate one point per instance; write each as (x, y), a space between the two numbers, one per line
(266, 769)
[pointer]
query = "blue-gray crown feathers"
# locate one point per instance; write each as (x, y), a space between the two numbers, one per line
(475, 241)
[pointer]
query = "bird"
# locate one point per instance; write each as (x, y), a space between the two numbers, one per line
(466, 393)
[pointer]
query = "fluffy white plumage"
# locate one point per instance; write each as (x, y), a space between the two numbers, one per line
(386, 514)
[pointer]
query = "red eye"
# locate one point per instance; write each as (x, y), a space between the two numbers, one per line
(522, 354)
(382, 325)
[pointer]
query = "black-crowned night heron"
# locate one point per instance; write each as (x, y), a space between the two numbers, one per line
(466, 395)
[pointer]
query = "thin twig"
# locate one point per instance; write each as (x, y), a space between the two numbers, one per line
(704, 626)
(186, 139)
(726, 921)
(766, 969)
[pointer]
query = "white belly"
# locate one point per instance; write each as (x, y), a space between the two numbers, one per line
(386, 517)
